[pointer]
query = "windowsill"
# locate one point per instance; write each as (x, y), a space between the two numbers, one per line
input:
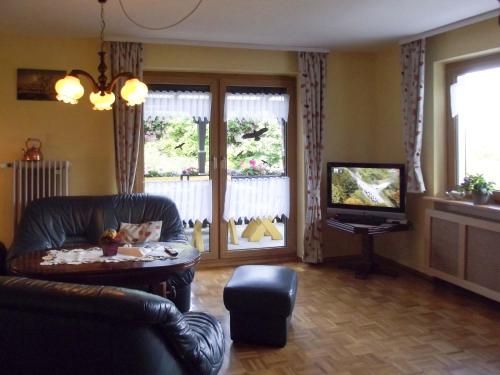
(490, 207)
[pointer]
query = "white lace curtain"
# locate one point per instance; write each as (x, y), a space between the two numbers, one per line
(166, 104)
(192, 198)
(256, 107)
(257, 197)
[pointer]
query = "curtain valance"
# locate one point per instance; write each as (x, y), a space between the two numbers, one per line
(256, 107)
(165, 104)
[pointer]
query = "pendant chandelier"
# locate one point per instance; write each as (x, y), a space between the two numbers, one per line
(69, 89)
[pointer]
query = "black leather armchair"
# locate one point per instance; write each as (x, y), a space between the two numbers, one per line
(59, 222)
(59, 328)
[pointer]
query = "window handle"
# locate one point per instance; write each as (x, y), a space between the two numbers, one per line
(215, 162)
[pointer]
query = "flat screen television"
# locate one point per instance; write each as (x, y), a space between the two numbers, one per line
(367, 189)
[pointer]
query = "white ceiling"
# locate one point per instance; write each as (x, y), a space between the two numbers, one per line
(343, 24)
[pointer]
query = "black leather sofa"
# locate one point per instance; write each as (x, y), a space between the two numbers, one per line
(58, 222)
(52, 328)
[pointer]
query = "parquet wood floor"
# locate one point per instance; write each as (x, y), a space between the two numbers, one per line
(380, 326)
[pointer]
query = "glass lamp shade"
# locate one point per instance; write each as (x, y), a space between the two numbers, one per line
(102, 102)
(134, 91)
(69, 89)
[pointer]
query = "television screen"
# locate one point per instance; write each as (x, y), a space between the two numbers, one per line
(366, 186)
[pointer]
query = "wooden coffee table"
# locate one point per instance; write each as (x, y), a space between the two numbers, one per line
(128, 274)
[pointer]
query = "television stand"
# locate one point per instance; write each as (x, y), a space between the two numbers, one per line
(361, 219)
(367, 265)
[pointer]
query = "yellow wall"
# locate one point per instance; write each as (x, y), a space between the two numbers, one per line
(481, 38)
(350, 126)
(85, 137)
(350, 113)
(77, 133)
(362, 123)
(74, 133)
(388, 136)
(218, 60)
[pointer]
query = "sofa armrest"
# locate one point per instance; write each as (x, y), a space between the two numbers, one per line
(198, 339)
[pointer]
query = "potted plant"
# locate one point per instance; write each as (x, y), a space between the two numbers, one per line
(479, 188)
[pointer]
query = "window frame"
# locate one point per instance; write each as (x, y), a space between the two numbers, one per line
(452, 71)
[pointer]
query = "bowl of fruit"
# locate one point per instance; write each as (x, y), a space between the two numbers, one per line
(110, 241)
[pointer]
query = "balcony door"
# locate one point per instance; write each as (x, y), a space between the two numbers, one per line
(223, 149)
(257, 144)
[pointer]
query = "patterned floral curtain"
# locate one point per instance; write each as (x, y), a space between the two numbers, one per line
(126, 57)
(312, 69)
(412, 101)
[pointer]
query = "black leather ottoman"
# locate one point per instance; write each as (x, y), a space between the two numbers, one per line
(260, 300)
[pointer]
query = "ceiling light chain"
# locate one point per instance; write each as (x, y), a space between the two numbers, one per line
(103, 26)
(69, 89)
(161, 27)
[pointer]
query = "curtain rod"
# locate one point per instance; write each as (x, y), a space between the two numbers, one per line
(215, 44)
(452, 26)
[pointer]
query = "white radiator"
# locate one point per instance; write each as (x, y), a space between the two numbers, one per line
(37, 179)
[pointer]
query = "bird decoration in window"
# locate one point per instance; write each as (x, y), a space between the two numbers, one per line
(256, 134)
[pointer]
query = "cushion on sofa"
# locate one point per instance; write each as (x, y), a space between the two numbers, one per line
(145, 232)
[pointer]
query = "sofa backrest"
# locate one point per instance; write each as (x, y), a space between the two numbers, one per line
(55, 222)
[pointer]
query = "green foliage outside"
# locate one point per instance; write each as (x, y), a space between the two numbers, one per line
(249, 157)
(171, 148)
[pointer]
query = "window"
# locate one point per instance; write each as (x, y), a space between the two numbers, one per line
(474, 119)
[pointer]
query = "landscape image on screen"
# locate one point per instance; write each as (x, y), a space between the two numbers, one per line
(366, 186)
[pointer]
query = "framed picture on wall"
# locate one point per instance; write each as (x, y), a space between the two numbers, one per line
(37, 84)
